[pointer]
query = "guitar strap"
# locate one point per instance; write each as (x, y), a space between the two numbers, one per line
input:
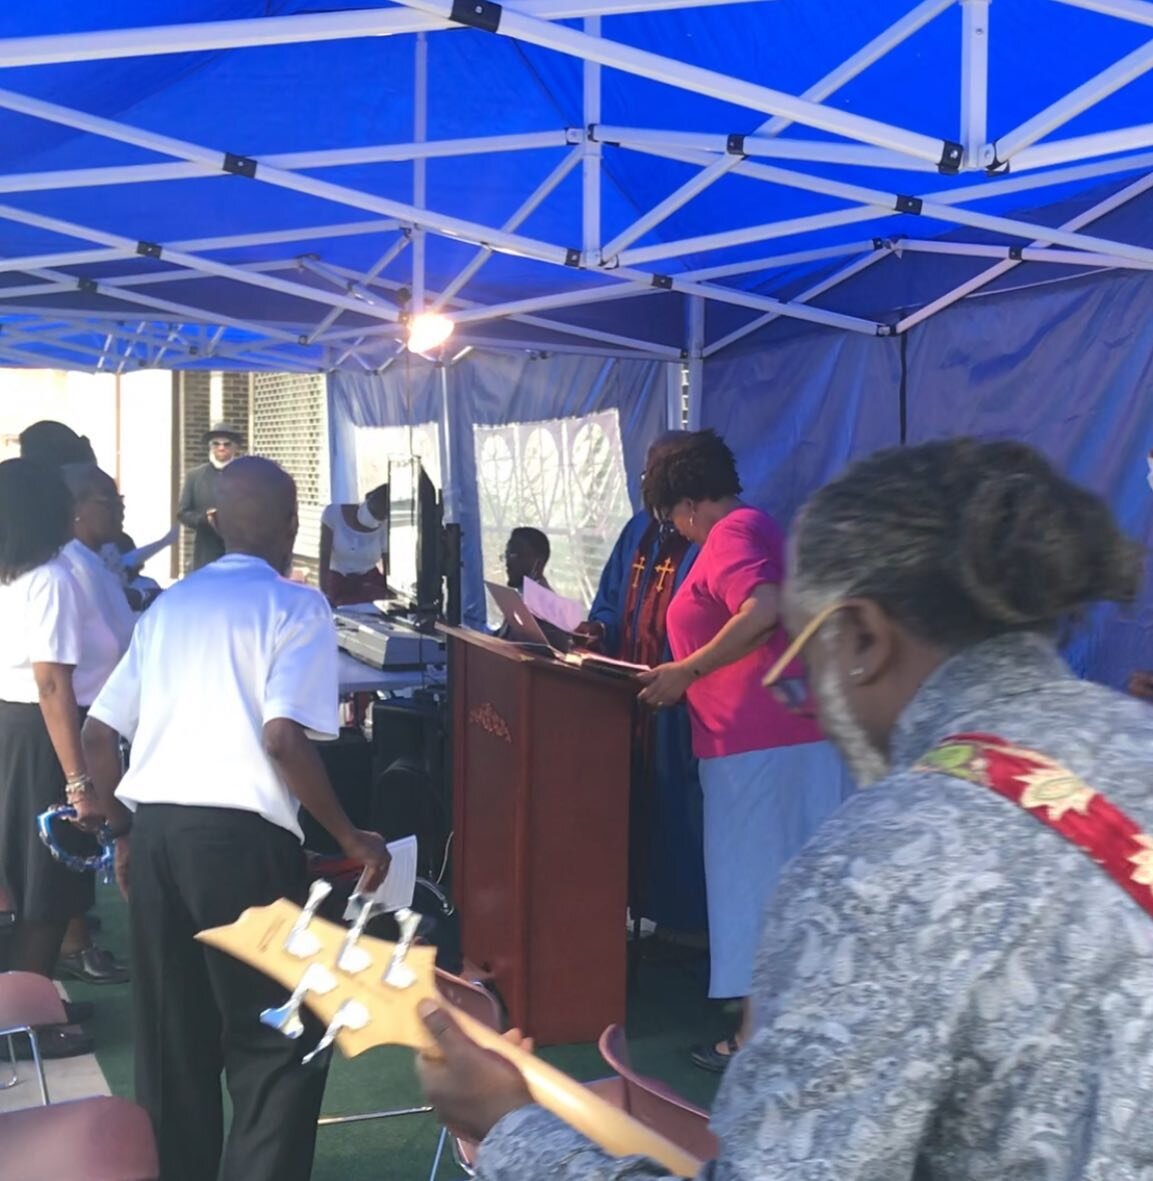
(1057, 798)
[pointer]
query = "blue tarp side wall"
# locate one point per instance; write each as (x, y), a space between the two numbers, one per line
(492, 388)
(1068, 369)
(797, 412)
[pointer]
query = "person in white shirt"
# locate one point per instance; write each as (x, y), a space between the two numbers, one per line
(41, 760)
(226, 675)
(353, 546)
(107, 623)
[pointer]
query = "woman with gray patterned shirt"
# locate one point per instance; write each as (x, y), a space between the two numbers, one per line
(955, 981)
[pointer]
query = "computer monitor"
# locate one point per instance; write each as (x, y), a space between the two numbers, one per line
(415, 543)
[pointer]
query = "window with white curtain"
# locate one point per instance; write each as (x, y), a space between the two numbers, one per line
(376, 445)
(564, 476)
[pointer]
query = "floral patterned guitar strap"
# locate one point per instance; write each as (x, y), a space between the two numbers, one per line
(1057, 798)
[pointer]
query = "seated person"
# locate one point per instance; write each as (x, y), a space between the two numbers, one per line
(353, 544)
(525, 556)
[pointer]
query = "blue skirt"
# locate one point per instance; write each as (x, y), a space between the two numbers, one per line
(760, 810)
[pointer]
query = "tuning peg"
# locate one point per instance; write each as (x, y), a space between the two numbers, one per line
(353, 959)
(398, 973)
(351, 1015)
(301, 942)
(286, 1018)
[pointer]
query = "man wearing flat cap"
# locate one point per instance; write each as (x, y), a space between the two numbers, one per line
(198, 496)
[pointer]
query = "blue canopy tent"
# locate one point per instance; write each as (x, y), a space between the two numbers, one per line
(855, 224)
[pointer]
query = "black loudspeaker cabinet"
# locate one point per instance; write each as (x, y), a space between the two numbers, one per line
(348, 762)
(410, 788)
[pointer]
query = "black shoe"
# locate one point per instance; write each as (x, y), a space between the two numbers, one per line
(55, 1041)
(77, 1011)
(93, 965)
(712, 1058)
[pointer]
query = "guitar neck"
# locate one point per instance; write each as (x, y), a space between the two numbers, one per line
(614, 1130)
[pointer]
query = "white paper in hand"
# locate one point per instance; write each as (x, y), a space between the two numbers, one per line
(396, 891)
(567, 614)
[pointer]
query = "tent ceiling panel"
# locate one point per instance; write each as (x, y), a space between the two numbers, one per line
(308, 192)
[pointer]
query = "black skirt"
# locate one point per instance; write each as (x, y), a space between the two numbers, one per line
(31, 780)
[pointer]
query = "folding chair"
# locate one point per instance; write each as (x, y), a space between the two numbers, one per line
(26, 1001)
(98, 1139)
(656, 1105)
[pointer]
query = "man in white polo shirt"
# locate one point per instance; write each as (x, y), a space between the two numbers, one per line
(225, 678)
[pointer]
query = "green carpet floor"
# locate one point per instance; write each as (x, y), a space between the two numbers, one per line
(667, 1012)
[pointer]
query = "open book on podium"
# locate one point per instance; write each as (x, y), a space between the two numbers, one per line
(542, 623)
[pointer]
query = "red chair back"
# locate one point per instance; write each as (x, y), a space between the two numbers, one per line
(473, 999)
(655, 1105)
(29, 999)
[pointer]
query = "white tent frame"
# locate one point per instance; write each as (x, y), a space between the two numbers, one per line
(136, 327)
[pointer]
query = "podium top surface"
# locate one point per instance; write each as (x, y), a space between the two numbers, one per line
(505, 650)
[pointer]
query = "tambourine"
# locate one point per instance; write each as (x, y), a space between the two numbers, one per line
(101, 862)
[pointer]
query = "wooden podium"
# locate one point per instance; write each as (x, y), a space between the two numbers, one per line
(541, 758)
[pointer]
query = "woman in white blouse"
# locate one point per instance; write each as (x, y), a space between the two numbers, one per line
(108, 620)
(353, 545)
(41, 759)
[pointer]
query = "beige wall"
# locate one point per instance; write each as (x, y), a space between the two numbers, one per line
(128, 420)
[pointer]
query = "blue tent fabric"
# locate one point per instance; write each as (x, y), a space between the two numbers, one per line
(796, 413)
(351, 93)
(1066, 368)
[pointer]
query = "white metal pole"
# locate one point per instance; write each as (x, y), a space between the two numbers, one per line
(974, 79)
(85, 178)
(675, 395)
(157, 40)
(591, 170)
(419, 166)
(694, 357)
(794, 258)
(1140, 11)
(720, 86)
(1081, 147)
(532, 202)
(447, 467)
(849, 69)
(889, 203)
(842, 275)
(339, 194)
(738, 146)
(1087, 95)
(1075, 258)
(994, 272)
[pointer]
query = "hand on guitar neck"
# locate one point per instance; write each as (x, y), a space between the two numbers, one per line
(371, 993)
(472, 1089)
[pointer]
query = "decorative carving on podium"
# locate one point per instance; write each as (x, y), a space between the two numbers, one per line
(486, 717)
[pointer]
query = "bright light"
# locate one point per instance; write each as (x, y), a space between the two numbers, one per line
(428, 331)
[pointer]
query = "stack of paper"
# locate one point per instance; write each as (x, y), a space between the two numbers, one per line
(396, 891)
(567, 614)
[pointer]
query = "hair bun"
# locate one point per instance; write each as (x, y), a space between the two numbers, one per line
(1032, 547)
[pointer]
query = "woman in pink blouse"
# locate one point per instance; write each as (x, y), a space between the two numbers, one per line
(767, 776)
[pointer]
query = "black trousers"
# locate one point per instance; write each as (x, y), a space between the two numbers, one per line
(197, 1010)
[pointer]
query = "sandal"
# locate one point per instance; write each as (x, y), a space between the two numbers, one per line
(713, 1058)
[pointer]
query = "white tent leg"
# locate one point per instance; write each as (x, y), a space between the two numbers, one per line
(591, 173)
(695, 348)
(974, 79)
(419, 168)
